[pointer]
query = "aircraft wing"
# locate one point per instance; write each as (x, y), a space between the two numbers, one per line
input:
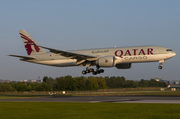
(71, 55)
(23, 57)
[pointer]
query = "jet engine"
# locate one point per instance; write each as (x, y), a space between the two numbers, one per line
(107, 61)
(123, 66)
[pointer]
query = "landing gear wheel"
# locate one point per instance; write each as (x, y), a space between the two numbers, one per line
(94, 73)
(101, 70)
(97, 66)
(160, 67)
(91, 70)
(98, 71)
(87, 71)
(84, 72)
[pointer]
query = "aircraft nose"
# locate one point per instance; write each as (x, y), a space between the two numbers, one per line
(171, 54)
(174, 54)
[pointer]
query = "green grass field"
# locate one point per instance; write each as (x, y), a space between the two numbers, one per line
(59, 110)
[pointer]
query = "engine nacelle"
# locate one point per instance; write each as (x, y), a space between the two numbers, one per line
(107, 61)
(123, 66)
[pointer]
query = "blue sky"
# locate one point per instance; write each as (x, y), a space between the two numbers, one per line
(83, 24)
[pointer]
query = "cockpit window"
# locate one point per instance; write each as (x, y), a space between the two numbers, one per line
(168, 50)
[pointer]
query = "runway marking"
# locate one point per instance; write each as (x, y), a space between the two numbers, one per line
(154, 101)
(105, 99)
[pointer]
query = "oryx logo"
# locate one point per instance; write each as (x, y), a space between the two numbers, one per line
(106, 61)
(28, 45)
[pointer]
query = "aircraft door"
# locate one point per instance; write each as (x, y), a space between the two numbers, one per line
(155, 51)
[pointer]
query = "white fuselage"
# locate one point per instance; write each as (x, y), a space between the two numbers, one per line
(122, 55)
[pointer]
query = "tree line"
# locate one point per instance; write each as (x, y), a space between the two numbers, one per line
(120, 82)
(69, 83)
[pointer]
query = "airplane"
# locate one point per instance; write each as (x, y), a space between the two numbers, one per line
(120, 57)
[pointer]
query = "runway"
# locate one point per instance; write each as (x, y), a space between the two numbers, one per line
(110, 99)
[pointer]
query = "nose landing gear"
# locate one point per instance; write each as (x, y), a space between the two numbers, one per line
(160, 67)
(160, 63)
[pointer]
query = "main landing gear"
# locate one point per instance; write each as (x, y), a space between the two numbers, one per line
(98, 71)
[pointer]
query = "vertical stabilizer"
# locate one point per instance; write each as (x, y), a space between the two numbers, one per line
(27, 40)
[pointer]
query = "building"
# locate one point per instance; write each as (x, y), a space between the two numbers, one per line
(25, 81)
(5, 81)
(157, 78)
(176, 82)
(32, 81)
(164, 81)
(39, 81)
(174, 87)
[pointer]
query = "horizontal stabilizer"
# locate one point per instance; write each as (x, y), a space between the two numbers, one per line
(23, 57)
